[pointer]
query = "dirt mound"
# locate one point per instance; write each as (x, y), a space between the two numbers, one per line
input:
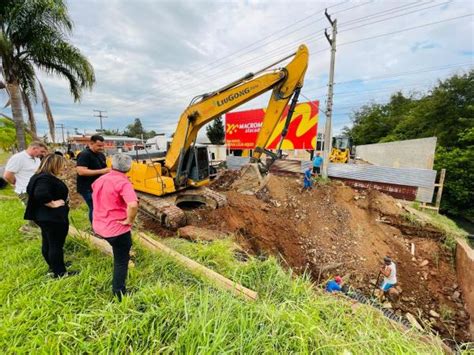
(69, 177)
(334, 229)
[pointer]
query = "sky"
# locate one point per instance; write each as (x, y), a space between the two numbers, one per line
(151, 57)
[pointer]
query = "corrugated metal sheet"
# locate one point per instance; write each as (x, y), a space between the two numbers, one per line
(399, 176)
(398, 191)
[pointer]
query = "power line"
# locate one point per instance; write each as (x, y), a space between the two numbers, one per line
(394, 75)
(345, 43)
(407, 29)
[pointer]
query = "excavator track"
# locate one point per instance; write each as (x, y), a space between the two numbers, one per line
(165, 210)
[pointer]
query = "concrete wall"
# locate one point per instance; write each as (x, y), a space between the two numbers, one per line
(464, 270)
(413, 153)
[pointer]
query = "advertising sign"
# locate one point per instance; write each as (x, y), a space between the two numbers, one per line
(242, 128)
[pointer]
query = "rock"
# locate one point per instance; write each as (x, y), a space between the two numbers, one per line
(433, 313)
(424, 263)
(455, 286)
(433, 273)
(456, 295)
(462, 314)
(387, 305)
(399, 289)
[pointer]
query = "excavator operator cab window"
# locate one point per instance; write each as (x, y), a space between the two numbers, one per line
(200, 166)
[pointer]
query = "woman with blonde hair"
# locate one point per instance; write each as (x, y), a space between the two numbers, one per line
(48, 207)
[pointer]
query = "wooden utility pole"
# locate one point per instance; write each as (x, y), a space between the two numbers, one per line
(101, 116)
(61, 125)
(328, 113)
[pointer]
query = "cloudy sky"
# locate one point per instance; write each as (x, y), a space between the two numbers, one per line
(151, 57)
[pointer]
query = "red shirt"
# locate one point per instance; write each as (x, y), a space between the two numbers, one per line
(110, 194)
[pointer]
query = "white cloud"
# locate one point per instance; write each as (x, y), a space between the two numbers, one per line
(152, 57)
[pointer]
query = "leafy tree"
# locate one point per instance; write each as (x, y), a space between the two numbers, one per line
(136, 130)
(215, 131)
(33, 36)
(447, 112)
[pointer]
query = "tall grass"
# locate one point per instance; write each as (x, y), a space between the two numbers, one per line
(172, 311)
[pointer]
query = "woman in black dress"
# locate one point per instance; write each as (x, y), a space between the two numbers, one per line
(48, 207)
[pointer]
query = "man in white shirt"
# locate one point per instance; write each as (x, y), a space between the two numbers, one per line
(21, 167)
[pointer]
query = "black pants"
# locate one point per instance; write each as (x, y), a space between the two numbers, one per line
(54, 235)
(121, 246)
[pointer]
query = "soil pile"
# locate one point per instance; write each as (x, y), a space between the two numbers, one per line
(69, 177)
(334, 229)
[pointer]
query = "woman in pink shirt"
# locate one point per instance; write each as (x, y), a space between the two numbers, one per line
(115, 208)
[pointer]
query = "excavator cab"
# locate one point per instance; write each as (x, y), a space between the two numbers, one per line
(195, 167)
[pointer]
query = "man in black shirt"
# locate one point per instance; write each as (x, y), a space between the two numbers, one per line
(90, 165)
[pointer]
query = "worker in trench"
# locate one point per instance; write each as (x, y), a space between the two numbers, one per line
(307, 180)
(389, 272)
(335, 285)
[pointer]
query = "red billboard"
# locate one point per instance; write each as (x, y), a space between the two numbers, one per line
(242, 128)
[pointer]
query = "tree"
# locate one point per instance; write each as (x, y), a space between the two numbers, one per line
(134, 129)
(447, 112)
(33, 35)
(215, 131)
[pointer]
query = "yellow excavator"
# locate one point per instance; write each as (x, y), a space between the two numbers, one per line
(187, 165)
(341, 150)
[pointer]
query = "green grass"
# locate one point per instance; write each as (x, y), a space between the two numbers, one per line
(173, 311)
(445, 224)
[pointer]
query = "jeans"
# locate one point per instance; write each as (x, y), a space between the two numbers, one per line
(87, 196)
(121, 246)
(53, 237)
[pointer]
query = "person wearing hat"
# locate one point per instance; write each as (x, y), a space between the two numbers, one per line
(389, 272)
(334, 285)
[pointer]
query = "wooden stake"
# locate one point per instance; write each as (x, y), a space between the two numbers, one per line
(413, 249)
(440, 188)
(197, 268)
(100, 244)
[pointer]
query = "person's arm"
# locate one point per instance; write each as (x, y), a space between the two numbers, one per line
(42, 194)
(83, 161)
(9, 176)
(13, 167)
(132, 210)
(386, 271)
(130, 197)
(84, 171)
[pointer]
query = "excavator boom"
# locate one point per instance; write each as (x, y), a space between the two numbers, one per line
(284, 82)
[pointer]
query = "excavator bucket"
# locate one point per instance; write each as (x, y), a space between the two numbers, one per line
(251, 180)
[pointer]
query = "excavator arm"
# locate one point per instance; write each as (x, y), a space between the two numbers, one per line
(285, 82)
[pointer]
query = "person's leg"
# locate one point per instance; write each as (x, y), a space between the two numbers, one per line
(121, 246)
(44, 244)
(87, 196)
(57, 237)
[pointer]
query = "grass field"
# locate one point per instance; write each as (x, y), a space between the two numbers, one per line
(173, 311)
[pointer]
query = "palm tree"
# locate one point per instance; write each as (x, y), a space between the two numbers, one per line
(33, 35)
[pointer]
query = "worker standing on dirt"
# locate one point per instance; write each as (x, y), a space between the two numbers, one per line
(334, 285)
(317, 164)
(389, 272)
(307, 180)
(115, 209)
(91, 165)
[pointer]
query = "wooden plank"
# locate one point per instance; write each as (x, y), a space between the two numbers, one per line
(197, 268)
(440, 188)
(98, 243)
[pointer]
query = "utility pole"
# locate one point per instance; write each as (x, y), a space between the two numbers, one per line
(61, 125)
(328, 126)
(100, 115)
